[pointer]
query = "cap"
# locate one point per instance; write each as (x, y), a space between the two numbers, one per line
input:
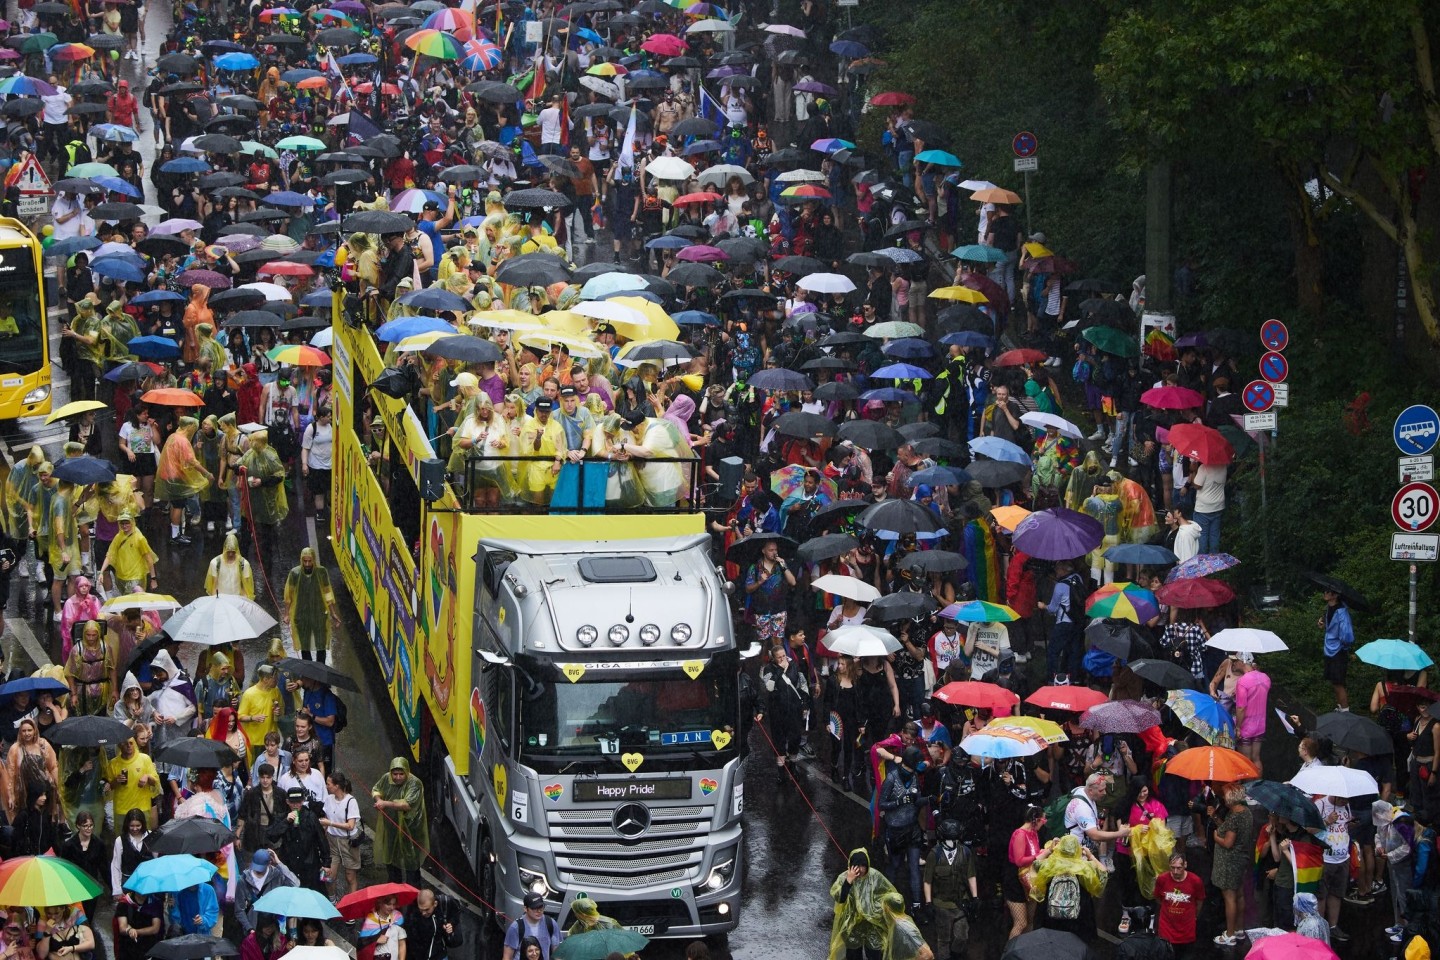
(465, 379)
(533, 901)
(125, 518)
(1037, 237)
(261, 860)
(125, 84)
(295, 795)
(604, 328)
(545, 404)
(569, 391)
(431, 205)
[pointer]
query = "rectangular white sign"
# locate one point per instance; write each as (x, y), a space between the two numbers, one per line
(1417, 468)
(1023, 164)
(1282, 394)
(1261, 421)
(1415, 546)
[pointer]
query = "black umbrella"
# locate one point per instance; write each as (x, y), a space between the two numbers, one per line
(264, 215)
(900, 516)
(837, 512)
(781, 380)
(1351, 596)
(993, 474)
(494, 91)
(196, 835)
(223, 178)
(51, 9)
(305, 322)
(318, 672)
(939, 447)
(695, 275)
(597, 268)
(934, 561)
(837, 390)
(827, 363)
(743, 249)
(799, 266)
(826, 547)
(89, 732)
(88, 110)
(340, 178)
(1165, 673)
(533, 270)
(1118, 638)
(161, 245)
(872, 435)
(235, 122)
(466, 349)
(661, 351)
(844, 338)
(217, 143)
(805, 426)
(378, 221)
(251, 318)
(25, 107)
(105, 41)
(901, 606)
(866, 258)
(77, 186)
(904, 227)
(197, 752)
(919, 430)
(1287, 800)
(85, 470)
(282, 40)
(932, 133)
(192, 946)
(535, 199)
(694, 127)
(747, 551)
(1091, 285)
(117, 211)
(464, 173)
(178, 63)
(236, 298)
(338, 37)
(1047, 945)
(1350, 732)
(560, 165)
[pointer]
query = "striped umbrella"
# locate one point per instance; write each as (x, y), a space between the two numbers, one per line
(299, 355)
(461, 23)
(1123, 601)
(979, 611)
(433, 43)
(44, 882)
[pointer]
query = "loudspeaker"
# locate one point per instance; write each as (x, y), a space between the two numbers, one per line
(432, 479)
(731, 470)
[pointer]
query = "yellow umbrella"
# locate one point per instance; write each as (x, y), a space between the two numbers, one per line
(996, 195)
(506, 319)
(961, 294)
(661, 327)
(578, 347)
(420, 341)
(1048, 730)
(73, 409)
(143, 601)
(569, 323)
(1038, 249)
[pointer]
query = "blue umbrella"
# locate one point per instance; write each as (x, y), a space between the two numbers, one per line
(1145, 554)
(967, 338)
(978, 253)
(695, 318)
(901, 371)
(116, 185)
(908, 348)
(118, 268)
(432, 299)
(642, 294)
(316, 298)
(71, 246)
(666, 242)
(849, 49)
(941, 157)
(84, 470)
(608, 283)
(158, 296)
(399, 329)
(702, 146)
(170, 874)
(900, 254)
(356, 59)
(1394, 655)
(890, 394)
(236, 61)
(287, 198)
(585, 33)
(295, 76)
(33, 685)
(154, 348)
(185, 165)
(997, 449)
(115, 133)
(1203, 714)
(296, 902)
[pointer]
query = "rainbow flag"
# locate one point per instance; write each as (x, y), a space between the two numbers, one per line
(1308, 861)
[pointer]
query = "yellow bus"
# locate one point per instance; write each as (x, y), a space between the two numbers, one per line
(24, 332)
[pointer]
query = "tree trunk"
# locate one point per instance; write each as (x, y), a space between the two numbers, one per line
(1309, 259)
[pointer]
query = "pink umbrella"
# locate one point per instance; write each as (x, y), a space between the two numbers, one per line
(1172, 398)
(666, 45)
(700, 253)
(211, 279)
(174, 226)
(1290, 946)
(785, 29)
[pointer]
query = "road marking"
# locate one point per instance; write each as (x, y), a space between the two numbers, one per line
(20, 629)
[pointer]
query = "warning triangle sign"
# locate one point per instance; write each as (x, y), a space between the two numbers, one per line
(31, 177)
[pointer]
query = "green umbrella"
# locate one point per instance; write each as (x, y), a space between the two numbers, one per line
(255, 147)
(1112, 341)
(39, 42)
(301, 143)
(599, 944)
(1239, 439)
(86, 170)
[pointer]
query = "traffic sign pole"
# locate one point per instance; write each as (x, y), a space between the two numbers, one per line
(1025, 145)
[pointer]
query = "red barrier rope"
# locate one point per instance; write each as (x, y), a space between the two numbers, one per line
(801, 790)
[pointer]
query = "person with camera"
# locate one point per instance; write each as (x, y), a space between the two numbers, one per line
(430, 927)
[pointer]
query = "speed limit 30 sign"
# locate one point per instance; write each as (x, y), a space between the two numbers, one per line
(1415, 507)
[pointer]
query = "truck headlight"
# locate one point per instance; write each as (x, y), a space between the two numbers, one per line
(37, 395)
(533, 882)
(680, 633)
(587, 635)
(720, 875)
(619, 634)
(649, 634)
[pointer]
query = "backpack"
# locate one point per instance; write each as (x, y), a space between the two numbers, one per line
(1062, 897)
(342, 716)
(1055, 826)
(282, 437)
(1081, 371)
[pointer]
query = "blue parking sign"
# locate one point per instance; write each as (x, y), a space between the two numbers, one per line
(1417, 429)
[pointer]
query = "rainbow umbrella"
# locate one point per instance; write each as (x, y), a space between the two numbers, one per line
(433, 43)
(607, 70)
(71, 52)
(451, 20)
(299, 355)
(1123, 601)
(1203, 714)
(44, 882)
(480, 55)
(1051, 731)
(979, 611)
(806, 191)
(414, 200)
(275, 13)
(332, 16)
(23, 86)
(790, 478)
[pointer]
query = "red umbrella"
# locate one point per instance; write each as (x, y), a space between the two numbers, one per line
(1194, 594)
(354, 906)
(1172, 398)
(891, 98)
(665, 44)
(388, 89)
(1015, 358)
(172, 397)
(702, 197)
(1199, 442)
(1073, 699)
(974, 693)
(285, 268)
(992, 290)
(1051, 265)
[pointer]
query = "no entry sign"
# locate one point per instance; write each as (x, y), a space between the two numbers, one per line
(1258, 396)
(1415, 507)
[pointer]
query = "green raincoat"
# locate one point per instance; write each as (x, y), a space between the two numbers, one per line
(401, 836)
(268, 503)
(859, 914)
(308, 598)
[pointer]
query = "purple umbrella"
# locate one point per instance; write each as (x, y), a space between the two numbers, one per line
(814, 86)
(211, 279)
(348, 6)
(1192, 340)
(720, 73)
(1202, 565)
(1120, 716)
(1058, 534)
(701, 253)
(239, 242)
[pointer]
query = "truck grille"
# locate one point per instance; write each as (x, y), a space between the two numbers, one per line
(588, 851)
(626, 883)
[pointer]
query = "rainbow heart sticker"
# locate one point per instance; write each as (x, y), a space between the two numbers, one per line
(708, 786)
(554, 791)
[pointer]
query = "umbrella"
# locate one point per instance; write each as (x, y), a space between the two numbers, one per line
(861, 640)
(1195, 594)
(193, 946)
(1141, 554)
(975, 693)
(940, 448)
(790, 479)
(1290, 946)
(319, 672)
(999, 449)
(870, 434)
(170, 874)
(1119, 639)
(1017, 358)
(804, 426)
(1351, 732)
(1287, 800)
(190, 835)
(1163, 673)
(462, 347)
(782, 380)
(1122, 601)
(1000, 743)
(978, 253)
(902, 371)
(217, 620)
(140, 601)
(1043, 421)
(994, 474)
(894, 607)
(1046, 945)
(83, 471)
(1071, 699)
(152, 348)
(1219, 764)
(74, 408)
(1057, 533)
(1120, 716)
(934, 561)
(893, 330)
(1112, 341)
(1335, 781)
(826, 547)
(900, 516)
(296, 902)
(1199, 442)
(1246, 640)
(355, 905)
(977, 611)
(299, 355)
(88, 732)
(132, 371)
(1349, 594)
(747, 550)
(1203, 714)
(396, 330)
(198, 752)
(535, 198)
(1172, 398)
(1048, 730)
(1394, 655)
(1009, 517)
(44, 882)
(670, 168)
(1202, 565)
(599, 944)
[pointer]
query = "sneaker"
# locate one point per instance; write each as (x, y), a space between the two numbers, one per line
(1098, 435)
(1395, 931)
(1359, 899)
(209, 526)
(1337, 934)
(23, 570)
(1378, 886)
(56, 616)
(182, 541)
(1022, 658)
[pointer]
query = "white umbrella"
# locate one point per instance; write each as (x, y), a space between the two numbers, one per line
(859, 640)
(801, 176)
(173, 226)
(670, 168)
(1335, 781)
(601, 86)
(609, 310)
(973, 185)
(338, 119)
(720, 174)
(826, 283)
(1246, 640)
(710, 26)
(323, 338)
(272, 291)
(215, 620)
(786, 30)
(852, 588)
(1040, 421)
(318, 953)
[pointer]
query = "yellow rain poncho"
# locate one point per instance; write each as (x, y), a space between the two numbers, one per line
(860, 917)
(1065, 857)
(268, 503)
(22, 489)
(1151, 845)
(905, 941)
(180, 473)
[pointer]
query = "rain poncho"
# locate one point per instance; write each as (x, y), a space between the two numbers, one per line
(905, 940)
(22, 488)
(1137, 514)
(1065, 857)
(197, 311)
(208, 346)
(588, 917)
(90, 670)
(547, 441)
(401, 836)
(1151, 845)
(1082, 481)
(308, 598)
(210, 448)
(622, 486)
(268, 503)
(180, 474)
(176, 699)
(664, 483)
(230, 573)
(1308, 922)
(860, 918)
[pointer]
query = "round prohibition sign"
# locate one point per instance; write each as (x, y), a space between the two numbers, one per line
(1415, 507)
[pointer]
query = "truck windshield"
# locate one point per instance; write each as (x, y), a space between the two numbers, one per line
(612, 711)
